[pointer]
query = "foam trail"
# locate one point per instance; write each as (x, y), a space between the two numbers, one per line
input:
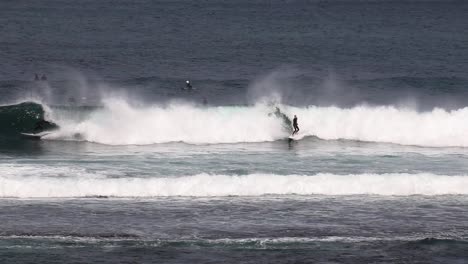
(204, 185)
(118, 123)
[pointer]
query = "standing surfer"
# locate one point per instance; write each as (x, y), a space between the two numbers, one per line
(295, 126)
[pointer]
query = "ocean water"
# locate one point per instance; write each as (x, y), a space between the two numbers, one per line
(136, 169)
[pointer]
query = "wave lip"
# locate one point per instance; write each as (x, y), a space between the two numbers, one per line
(207, 185)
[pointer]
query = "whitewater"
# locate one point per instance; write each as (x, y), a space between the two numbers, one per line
(53, 183)
(119, 123)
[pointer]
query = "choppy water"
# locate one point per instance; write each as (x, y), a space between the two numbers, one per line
(142, 171)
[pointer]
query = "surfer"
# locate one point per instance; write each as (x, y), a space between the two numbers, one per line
(42, 125)
(296, 127)
(188, 86)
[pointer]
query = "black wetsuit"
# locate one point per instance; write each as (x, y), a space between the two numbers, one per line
(42, 125)
(296, 127)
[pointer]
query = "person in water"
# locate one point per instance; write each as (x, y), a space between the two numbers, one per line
(296, 127)
(42, 125)
(188, 86)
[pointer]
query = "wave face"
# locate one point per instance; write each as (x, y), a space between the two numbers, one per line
(18, 118)
(118, 123)
(23, 182)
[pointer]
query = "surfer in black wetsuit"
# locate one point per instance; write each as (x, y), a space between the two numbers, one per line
(42, 125)
(295, 126)
(188, 86)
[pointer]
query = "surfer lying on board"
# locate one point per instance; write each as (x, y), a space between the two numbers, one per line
(296, 127)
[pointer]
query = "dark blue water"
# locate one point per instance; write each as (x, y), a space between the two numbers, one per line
(375, 47)
(141, 170)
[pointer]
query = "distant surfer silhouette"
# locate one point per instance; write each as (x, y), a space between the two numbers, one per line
(42, 125)
(295, 126)
(188, 86)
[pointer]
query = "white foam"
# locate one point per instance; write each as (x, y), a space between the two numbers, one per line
(253, 241)
(436, 128)
(286, 240)
(118, 123)
(63, 182)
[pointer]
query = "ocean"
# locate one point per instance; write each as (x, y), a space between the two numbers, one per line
(132, 166)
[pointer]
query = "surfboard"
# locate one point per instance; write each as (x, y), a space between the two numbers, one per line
(296, 137)
(35, 135)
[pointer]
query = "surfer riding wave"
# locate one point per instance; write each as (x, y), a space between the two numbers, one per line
(295, 126)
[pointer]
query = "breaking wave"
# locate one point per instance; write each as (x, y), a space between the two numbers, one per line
(17, 118)
(34, 182)
(119, 123)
